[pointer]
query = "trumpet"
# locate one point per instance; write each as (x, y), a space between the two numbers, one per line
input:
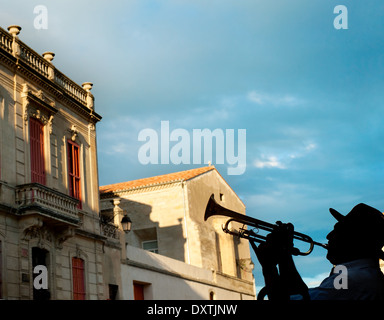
(213, 208)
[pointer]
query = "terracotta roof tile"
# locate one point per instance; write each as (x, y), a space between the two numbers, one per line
(151, 181)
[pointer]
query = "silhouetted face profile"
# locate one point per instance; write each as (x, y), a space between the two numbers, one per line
(343, 244)
(358, 235)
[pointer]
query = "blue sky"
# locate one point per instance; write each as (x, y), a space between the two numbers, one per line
(309, 96)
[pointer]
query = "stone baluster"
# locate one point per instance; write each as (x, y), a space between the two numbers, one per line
(87, 86)
(51, 71)
(14, 31)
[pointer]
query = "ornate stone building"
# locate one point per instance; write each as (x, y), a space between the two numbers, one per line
(171, 252)
(49, 200)
(55, 241)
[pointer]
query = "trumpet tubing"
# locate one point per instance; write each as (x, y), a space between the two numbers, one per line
(214, 209)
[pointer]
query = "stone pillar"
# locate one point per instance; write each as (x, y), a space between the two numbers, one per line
(117, 212)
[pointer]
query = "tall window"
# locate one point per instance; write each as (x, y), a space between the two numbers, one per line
(74, 170)
(36, 134)
(78, 279)
(1, 271)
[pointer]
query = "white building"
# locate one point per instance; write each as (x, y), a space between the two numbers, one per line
(171, 252)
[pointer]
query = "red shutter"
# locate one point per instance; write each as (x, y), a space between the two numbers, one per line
(74, 170)
(36, 134)
(78, 279)
(1, 271)
(138, 291)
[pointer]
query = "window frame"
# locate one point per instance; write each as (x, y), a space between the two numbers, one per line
(153, 250)
(74, 174)
(37, 151)
(78, 279)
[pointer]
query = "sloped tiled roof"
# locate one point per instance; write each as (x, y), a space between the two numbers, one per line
(152, 181)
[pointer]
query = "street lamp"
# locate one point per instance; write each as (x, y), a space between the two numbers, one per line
(126, 223)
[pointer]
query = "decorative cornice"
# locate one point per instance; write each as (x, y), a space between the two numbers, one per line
(148, 188)
(57, 91)
(38, 106)
(23, 60)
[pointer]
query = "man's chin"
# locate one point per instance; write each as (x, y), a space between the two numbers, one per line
(332, 259)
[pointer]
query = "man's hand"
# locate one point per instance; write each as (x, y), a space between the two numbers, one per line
(276, 251)
(278, 245)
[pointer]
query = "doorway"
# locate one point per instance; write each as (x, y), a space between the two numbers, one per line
(39, 257)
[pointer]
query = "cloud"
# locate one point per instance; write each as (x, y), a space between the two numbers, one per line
(268, 162)
(315, 280)
(284, 158)
(275, 100)
(120, 135)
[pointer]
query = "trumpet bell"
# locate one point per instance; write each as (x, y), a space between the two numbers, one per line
(215, 209)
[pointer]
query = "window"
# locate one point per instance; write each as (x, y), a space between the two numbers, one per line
(150, 246)
(1, 271)
(36, 134)
(78, 279)
(74, 170)
(1, 134)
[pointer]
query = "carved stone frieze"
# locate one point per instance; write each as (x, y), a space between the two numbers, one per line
(63, 236)
(38, 106)
(44, 233)
(40, 233)
(74, 132)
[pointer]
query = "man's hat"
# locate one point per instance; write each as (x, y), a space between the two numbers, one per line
(368, 220)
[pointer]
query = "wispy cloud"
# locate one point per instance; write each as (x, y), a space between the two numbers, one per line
(268, 162)
(262, 98)
(120, 135)
(315, 280)
(281, 159)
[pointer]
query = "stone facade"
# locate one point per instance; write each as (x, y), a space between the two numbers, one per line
(44, 223)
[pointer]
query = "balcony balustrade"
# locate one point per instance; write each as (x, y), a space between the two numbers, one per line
(42, 65)
(54, 205)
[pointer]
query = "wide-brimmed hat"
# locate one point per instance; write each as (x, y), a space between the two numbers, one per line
(367, 220)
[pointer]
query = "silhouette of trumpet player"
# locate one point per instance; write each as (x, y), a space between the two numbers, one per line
(355, 244)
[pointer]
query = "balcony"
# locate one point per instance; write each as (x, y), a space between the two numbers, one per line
(56, 207)
(109, 230)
